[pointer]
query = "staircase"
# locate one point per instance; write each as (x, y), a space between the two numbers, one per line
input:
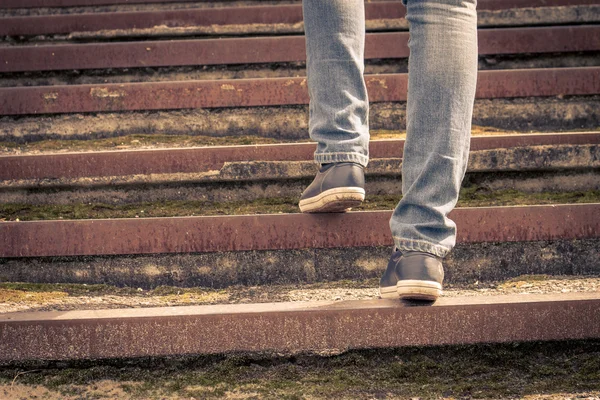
(153, 154)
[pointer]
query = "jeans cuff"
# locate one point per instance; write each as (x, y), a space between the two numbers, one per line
(422, 246)
(327, 158)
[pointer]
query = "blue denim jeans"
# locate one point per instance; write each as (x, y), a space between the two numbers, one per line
(441, 90)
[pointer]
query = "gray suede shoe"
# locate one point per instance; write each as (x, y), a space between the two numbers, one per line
(412, 275)
(337, 188)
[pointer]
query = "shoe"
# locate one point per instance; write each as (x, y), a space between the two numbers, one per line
(337, 188)
(412, 275)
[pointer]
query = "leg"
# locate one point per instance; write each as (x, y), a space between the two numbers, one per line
(441, 91)
(339, 108)
(335, 40)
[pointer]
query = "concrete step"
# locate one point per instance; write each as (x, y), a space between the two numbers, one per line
(533, 99)
(276, 91)
(210, 159)
(158, 141)
(296, 327)
(257, 20)
(519, 169)
(52, 7)
(70, 204)
(273, 49)
(290, 123)
(276, 70)
(495, 243)
(354, 229)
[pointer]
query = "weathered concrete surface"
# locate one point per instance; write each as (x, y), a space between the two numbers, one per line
(277, 70)
(530, 158)
(200, 234)
(291, 122)
(579, 14)
(150, 6)
(467, 263)
(215, 94)
(184, 156)
(177, 25)
(296, 327)
(113, 193)
(538, 16)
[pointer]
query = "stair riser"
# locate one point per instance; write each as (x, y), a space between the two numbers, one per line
(296, 328)
(501, 84)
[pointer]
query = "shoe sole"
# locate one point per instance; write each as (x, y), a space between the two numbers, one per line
(388, 292)
(409, 289)
(333, 200)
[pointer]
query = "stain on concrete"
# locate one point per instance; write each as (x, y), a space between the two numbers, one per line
(104, 93)
(50, 97)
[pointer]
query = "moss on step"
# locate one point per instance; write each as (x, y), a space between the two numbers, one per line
(75, 289)
(472, 196)
(162, 141)
(20, 296)
(472, 371)
(15, 291)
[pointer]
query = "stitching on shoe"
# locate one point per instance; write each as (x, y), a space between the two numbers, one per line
(324, 177)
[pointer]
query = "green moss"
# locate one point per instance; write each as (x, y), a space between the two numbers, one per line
(474, 371)
(469, 197)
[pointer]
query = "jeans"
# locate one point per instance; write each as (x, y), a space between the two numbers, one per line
(441, 90)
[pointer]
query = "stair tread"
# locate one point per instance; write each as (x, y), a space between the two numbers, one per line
(21, 298)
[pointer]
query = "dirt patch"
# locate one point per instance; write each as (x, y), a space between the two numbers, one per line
(102, 389)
